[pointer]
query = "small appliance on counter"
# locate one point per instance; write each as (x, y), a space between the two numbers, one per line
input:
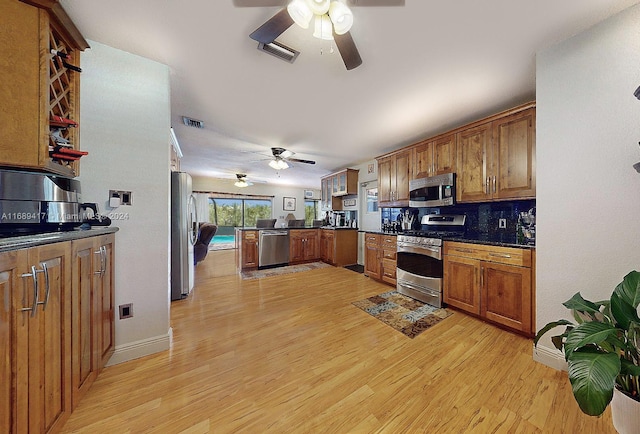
(527, 227)
(32, 202)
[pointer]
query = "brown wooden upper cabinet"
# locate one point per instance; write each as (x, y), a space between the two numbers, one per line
(496, 160)
(343, 183)
(393, 179)
(434, 157)
(38, 84)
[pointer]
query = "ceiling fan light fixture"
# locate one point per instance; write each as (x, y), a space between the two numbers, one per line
(242, 181)
(319, 7)
(323, 28)
(300, 13)
(341, 16)
(278, 164)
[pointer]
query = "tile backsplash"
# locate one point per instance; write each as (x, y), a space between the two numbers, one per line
(482, 218)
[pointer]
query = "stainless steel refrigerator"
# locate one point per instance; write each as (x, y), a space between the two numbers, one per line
(184, 231)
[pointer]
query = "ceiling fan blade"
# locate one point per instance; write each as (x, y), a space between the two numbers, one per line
(297, 160)
(348, 50)
(273, 28)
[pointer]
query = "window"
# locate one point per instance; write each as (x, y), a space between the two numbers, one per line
(372, 200)
(310, 211)
(238, 212)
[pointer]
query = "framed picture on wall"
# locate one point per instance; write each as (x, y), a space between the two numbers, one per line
(289, 203)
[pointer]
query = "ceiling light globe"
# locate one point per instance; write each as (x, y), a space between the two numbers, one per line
(319, 7)
(300, 13)
(341, 16)
(274, 164)
(323, 28)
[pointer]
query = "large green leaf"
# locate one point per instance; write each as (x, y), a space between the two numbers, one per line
(628, 368)
(580, 304)
(592, 375)
(623, 312)
(629, 289)
(588, 333)
(548, 327)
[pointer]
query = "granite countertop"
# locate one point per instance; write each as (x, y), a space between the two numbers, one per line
(503, 241)
(297, 228)
(26, 241)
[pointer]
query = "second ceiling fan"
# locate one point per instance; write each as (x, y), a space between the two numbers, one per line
(281, 156)
(332, 21)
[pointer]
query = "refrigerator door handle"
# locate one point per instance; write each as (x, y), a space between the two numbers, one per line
(193, 221)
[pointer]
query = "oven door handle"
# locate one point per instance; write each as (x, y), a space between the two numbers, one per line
(416, 287)
(434, 252)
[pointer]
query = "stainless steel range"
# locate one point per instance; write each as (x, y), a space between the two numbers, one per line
(419, 257)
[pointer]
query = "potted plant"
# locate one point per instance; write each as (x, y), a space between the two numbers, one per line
(602, 353)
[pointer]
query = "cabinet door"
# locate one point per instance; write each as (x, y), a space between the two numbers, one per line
(84, 362)
(13, 350)
(422, 160)
(296, 247)
(342, 183)
(50, 340)
(514, 156)
(23, 128)
(372, 260)
(473, 163)
(444, 155)
(249, 249)
(402, 174)
(384, 181)
(461, 283)
(331, 248)
(311, 250)
(506, 295)
(104, 295)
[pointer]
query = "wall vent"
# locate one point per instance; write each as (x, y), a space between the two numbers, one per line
(279, 50)
(190, 122)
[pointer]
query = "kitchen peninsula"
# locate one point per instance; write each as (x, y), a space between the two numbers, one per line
(337, 246)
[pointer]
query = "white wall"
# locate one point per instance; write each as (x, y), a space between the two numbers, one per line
(588, 194)
(278, 192)
(124, 124)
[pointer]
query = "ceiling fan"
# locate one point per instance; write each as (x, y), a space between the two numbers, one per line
(242, 181)
(281, 156)
(333, 20)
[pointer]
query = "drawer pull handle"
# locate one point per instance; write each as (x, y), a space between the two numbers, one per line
(463, 250)
(500, 255)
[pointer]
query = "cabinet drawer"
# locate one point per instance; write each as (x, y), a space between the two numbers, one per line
(389, 270)
(371, 239)
(388, 241)
(389, 254)
(501, 255)
(249, 235)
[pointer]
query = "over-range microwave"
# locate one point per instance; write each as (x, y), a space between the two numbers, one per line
(433, 191)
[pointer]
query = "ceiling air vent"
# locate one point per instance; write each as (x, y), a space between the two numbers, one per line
(280, 51)
(192, 122)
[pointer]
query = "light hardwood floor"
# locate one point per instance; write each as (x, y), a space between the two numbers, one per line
(290, 354)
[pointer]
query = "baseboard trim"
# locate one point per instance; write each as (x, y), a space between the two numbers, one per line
(137, 349)
(550, 357)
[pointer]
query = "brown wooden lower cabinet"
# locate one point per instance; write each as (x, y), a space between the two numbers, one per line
(46, 329)
(93, 311)
(248, 249)
(304, 245)
(339, 247)
(380, 257)
(492, 282)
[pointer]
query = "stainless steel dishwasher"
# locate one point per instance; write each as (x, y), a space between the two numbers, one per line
(274, 248)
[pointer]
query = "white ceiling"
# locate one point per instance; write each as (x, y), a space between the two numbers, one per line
(428, 66)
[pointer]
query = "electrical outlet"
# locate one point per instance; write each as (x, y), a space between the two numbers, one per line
(126, 310)
(126, 197)
(502, 223)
